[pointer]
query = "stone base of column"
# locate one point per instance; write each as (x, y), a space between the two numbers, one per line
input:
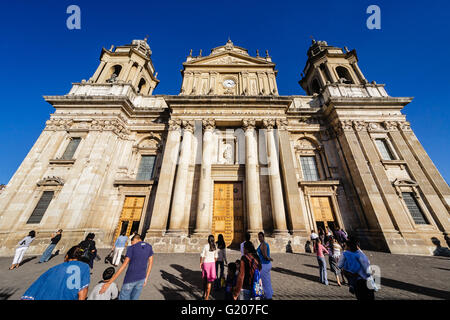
(201, 234)
(277, 233)
(177, 233)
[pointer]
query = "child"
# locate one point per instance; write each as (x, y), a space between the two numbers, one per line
(112, 293)
(231, 281)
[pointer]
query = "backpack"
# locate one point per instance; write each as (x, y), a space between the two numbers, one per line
(257, 288)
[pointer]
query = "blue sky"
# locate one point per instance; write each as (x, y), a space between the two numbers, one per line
(40, 56)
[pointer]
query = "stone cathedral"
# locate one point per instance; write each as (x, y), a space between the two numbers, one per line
(227, 155)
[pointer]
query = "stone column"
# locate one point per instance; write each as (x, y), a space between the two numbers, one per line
(179, 194)
(276, 190)
(135, 81)
(290, 182)
(165, 182)
(203, 222)
(98, 71)
(254, 214)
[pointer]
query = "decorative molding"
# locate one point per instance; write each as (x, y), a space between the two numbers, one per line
(116, 126)
(209, 124)
(51, 181)
(360, 125)
(282, 124)
(404, 125)
(269, 123)
(390, 125)
(248, 124)
(174, 124)
(188, 125)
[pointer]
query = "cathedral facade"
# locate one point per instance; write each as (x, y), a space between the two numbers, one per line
(227, 155)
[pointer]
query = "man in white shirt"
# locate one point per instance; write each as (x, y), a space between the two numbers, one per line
(314, 235)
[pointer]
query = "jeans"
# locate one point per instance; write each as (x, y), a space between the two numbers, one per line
(323, 270)
(47, 253)
(245, 294)
(132, 290)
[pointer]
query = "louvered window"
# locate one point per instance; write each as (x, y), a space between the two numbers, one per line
(384, 149)
(145, 171)
(309, 168)
(413, 207)
(41, 207)
(71, 148)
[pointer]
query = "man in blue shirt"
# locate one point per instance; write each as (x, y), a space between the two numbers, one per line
(66, 281)
(139, 260)
(119, 245)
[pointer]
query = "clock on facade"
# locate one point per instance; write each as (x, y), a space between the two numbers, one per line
(229, 83)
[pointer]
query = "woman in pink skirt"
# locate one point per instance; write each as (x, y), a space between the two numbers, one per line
(208, 260)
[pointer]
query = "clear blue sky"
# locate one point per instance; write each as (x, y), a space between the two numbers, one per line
(40, 56)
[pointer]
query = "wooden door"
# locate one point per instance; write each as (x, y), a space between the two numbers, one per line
(323, 212)
(228, 212)
(130, 217)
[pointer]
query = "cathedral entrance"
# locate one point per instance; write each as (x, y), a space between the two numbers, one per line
(323, 213)
(228, 212)
(130, 217)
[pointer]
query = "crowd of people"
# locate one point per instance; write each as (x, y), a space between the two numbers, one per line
(248, 278)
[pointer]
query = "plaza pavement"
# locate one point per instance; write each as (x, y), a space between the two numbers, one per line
(294, 277)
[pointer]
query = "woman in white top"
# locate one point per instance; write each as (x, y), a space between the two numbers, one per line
(208, 260)
(335, 253)
(23, 247)
(221, 259)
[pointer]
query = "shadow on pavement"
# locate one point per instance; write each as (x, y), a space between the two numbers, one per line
(297, 274)
(436, 293)
(6, 293)
(27, 260)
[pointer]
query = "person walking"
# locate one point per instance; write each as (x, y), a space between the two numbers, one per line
(118, 247)
(247, 238)
(66, 281)
(248, 264)
(221, 259)
(230, 282)
(90, 251)
(320, 251)
(314, 235)
(355, 265)
(266, 265)
(208, 259)
(139, 260)
(53, 242)
(21, 249)
(334, 250)
(112, 293)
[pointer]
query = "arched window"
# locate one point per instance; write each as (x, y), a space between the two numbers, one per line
(114, 73)
(344, 74)
(142, 85)
(315, 87)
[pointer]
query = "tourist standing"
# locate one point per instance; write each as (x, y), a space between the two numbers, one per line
(139, 260)
(230, 282)
(66, 281)
(53, 242)
(112, 293)
(334, 250)
(22, 248)
(90, 251)
(118, 247)
(247, 238)
(320, 251)
(266, 265)
(221, 259)
(208, 259)
(356, 266)
(248, 264)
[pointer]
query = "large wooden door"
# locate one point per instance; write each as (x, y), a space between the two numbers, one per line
(228, 212)
(130, 217)
(323, 212)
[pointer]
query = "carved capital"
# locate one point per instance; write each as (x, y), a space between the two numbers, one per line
(174, 124)
(360, 125)
(188, 125)
(51, 181)
(209, 124)
(248, 124)
(404, 125)
(343, 126)
(282, 124)
(390, 125)
(269, 123)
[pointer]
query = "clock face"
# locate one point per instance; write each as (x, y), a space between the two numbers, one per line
(229, 83)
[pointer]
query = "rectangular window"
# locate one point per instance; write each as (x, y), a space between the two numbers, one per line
(385, 151)
(41, 207)
(145, 171)
(309, 168)
(71, 148)
(413, 207)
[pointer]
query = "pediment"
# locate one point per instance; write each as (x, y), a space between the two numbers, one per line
(228, 58)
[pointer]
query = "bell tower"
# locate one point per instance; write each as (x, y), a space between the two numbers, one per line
(131, 64)
(327, 65)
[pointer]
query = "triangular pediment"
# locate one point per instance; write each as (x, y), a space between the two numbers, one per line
(228, 58)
